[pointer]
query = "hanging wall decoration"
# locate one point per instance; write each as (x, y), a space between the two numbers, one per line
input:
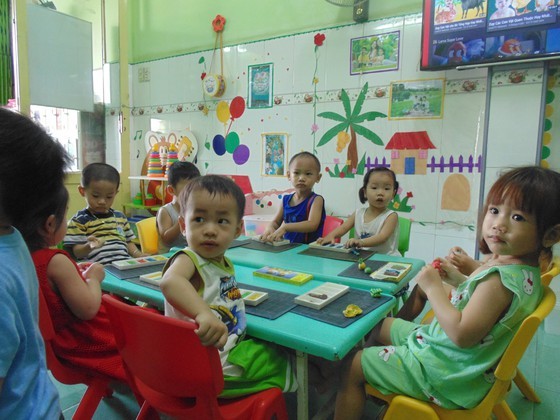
(417, 99)
(214, 84)
(260, 86)
(230, 142)
(374, 53)
(318, 40)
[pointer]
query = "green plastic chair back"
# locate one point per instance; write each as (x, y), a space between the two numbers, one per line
(404, 234)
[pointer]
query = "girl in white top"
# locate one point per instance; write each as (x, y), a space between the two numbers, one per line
(376, 226)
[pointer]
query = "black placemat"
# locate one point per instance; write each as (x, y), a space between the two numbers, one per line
(133, 272)
(277, 304)
(262, 246)
(354, 272)
(332, 255)
(239, 242)
(332, 313)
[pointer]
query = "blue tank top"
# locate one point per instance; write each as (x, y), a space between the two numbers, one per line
(300, 213)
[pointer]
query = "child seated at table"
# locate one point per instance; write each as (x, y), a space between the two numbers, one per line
(178, 176)
(199, 285)
(84, 336)
(302, 215)
(98, 233)
(450, 362)
(376, 226)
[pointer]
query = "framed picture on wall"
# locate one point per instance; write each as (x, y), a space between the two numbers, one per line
(375, 53)
(275, 154)
(416, 99)
(260, 86)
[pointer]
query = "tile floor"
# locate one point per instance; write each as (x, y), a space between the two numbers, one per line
(539, 365)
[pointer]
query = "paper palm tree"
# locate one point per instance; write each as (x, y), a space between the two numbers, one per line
(351, 122)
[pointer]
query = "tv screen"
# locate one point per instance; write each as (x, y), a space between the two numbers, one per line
(470, 32)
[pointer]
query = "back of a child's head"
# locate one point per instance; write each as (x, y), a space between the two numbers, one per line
(99, 172)
(531, 189)
(179, 171)
(307, 155)
(215, 185)
(32, 167)
(379, 169)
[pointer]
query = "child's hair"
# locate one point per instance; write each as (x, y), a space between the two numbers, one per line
(533, 190)
(32, 166)
(215, 185)
(31, 229)
(100, 172)
(305, 155)
(362, 191)
(181, 170)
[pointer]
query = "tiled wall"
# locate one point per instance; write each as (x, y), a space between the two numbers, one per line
(169, 97)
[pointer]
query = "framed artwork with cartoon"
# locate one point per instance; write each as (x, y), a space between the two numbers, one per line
(260, 86)
(275, 154)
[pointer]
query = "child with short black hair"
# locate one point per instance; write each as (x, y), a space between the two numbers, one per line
(99, 233)
(302, 215)
(376, 226)
(179, 175)
(26, 391)
(199, 285)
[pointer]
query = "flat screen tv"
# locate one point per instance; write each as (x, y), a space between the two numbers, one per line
(484, 32)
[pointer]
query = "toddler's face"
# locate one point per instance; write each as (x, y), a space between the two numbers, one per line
(304, 174)
(99, 195)
(380, 189)
(210, 223)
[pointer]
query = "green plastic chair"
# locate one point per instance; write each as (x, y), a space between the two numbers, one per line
(404, 234)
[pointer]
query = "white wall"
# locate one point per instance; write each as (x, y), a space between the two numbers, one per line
(175, 83)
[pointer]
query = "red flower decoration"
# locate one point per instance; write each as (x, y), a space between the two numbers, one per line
(409, 194)
(319, 39)
(218, 23)
(203, 75)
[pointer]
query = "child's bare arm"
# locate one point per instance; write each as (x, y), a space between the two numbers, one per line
(178, 290)
(339, 231)
(83, 298)
(385, 233)
(469, 326)
(133, 250)
(82, 250)
(273, 225)
(167, 230)
(313, 220)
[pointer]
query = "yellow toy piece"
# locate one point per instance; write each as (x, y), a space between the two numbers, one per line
(352, 310)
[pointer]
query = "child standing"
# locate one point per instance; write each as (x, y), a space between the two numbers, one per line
(84, 337)
(302, 215)
(178, 175)
(376, 226)
(98, 233)
(26, 391)
(199, 285)
(450, 361)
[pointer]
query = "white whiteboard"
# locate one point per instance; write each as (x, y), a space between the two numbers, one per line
(60, 59)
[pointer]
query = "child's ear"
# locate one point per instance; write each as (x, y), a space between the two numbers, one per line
(49, 227)
(82, 191)
(551, 236)
(319, 178)
(239, 228)
(170, 190)
(182, 225)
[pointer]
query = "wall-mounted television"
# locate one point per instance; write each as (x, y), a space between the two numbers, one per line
(458, 33)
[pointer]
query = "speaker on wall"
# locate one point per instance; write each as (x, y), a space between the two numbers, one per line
(360, 12)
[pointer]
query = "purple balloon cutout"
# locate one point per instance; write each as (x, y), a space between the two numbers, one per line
(241, 154)
(219, 144)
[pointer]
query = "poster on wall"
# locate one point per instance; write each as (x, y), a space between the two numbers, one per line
(374, 53)
(416, 99)
(260, 86)
(275, 152)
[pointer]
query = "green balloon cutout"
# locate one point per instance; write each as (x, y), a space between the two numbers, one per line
(545, 152)
(232, 141)
(549, 96)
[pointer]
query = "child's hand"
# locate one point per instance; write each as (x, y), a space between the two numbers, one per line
(95, 242)
(211, 331)
(353, 243)
(326, 240)
(93, 271)
(278, 235)
(429, 277)
(461, 260)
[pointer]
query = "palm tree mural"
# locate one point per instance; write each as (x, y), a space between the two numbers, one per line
(347, 129)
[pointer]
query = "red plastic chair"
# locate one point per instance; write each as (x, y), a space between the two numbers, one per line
(331, 223)
(176, 374)
(97, 384)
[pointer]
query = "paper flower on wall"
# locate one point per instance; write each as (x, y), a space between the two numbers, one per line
(218, 23)
(318, 41)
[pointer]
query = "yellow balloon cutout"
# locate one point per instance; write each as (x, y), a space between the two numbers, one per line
(222, 111)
